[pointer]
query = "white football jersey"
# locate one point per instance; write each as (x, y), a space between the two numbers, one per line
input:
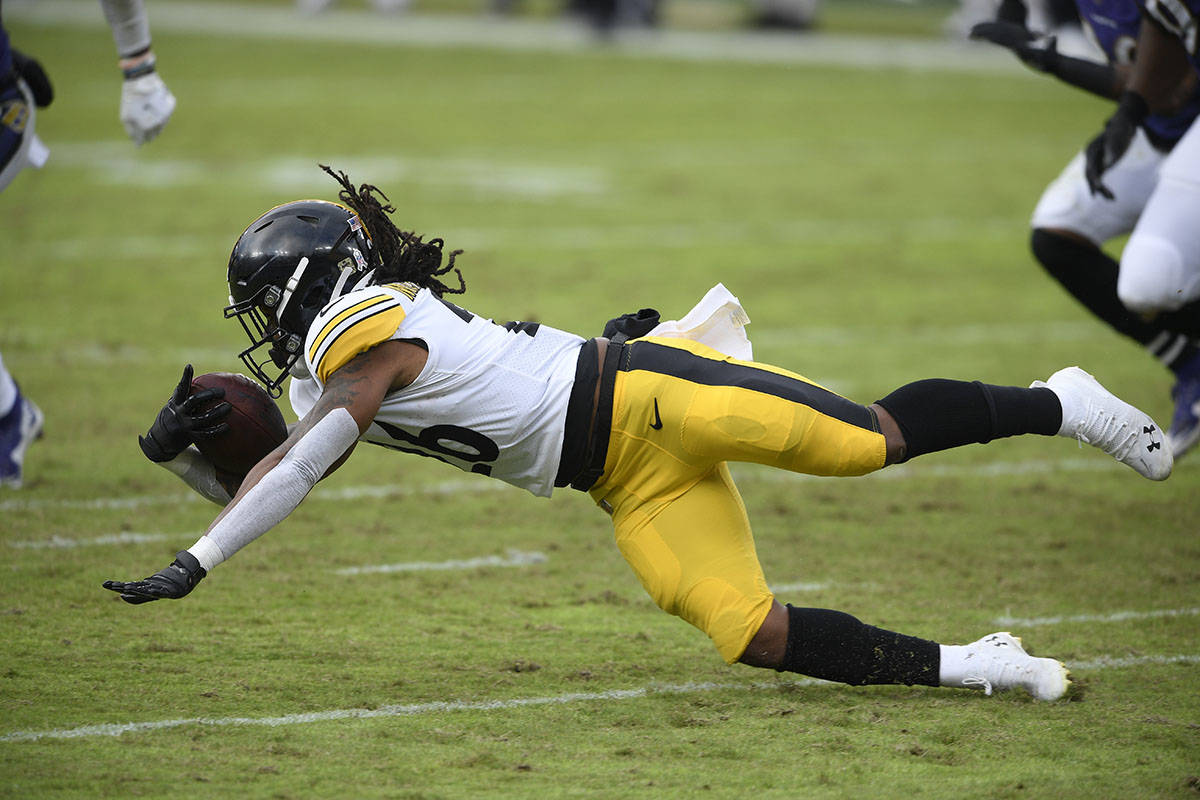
(491, 399)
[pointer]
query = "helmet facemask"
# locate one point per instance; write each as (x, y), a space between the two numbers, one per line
(283, 347)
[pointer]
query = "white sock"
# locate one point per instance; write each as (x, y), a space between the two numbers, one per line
(953, 664)
(1072, 413)
(207, 553)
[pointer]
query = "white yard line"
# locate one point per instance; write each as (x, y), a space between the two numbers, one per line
(437, 707)
(1116, 616)
(515, 558)
(66, 543)
(1120, 662)
(361, 28)
(479, 486)
(1098, 463)
(802, 586)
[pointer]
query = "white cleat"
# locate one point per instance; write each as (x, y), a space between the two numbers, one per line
(998, 662)
(1095, 416)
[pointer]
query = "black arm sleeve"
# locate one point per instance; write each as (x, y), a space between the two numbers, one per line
(1099, 79)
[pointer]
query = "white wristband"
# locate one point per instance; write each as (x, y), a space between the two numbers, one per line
(207, 553)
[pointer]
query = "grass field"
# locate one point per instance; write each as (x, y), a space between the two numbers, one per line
(872, 221)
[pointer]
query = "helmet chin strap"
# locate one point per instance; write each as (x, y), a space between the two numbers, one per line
(299, 369)
(344, 278)
(290, 287)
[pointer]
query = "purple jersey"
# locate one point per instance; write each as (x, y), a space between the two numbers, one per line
(1114, 26)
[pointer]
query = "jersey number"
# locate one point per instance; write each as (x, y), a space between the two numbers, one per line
(445, 442)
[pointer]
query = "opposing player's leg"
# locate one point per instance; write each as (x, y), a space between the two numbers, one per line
(20, 426)
(1160, 273)
(1070, 224)
(1160, 267)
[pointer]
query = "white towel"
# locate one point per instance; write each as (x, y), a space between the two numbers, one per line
(718, 321)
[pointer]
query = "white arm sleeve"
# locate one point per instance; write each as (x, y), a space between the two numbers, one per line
(197, 472)
(279, 491)
(129, 23)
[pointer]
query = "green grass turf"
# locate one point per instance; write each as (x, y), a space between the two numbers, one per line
(872, 222)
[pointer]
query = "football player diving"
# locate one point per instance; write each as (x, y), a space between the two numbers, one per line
(1075, 217)
(353, 309)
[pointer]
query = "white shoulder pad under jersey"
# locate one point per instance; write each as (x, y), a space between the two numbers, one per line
(491, 399)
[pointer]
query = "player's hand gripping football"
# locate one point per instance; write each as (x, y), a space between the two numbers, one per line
(174, 582)
(1107, 148)
(184, 420)
(1038, 52)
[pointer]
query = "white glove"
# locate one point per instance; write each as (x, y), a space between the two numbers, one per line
(146, 105)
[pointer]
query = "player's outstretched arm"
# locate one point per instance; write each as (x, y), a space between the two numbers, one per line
(275, 486)
(146, 102)
(1041, 53)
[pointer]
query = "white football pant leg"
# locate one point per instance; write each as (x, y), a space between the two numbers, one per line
(8, 389)
(1160, 268)
(1068, 204)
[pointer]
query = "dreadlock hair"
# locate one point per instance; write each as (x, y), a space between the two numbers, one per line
(402, 256)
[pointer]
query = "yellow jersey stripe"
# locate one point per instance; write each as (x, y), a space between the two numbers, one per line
(362, 332)
(408, 289)
(340, 317)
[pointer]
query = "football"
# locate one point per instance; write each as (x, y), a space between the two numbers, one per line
(256, 425)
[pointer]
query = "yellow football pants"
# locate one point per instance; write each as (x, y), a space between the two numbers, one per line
(681, 410)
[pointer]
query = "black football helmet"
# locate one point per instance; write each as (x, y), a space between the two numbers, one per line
(284, 269)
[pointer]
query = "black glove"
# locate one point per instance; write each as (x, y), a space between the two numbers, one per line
(181, 422)
(1107, 148)
(173, 582)
(1012, 11)
(631, 326)
(1038, 52)
(35, 78)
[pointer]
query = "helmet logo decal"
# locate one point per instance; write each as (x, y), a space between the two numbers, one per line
(358, 258)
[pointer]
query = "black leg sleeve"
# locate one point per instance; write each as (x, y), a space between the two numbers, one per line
(836, 646)
(939, 414)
